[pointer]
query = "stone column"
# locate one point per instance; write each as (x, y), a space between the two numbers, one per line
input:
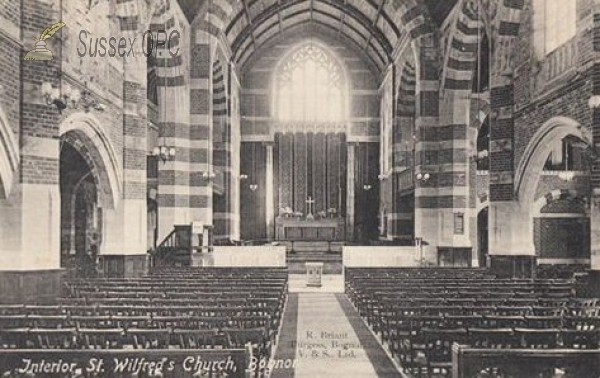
(30, 201)
(201, 127)
(350, 196)
(123, 252)
(269, 195)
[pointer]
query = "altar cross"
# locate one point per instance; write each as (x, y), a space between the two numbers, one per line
(310, 203)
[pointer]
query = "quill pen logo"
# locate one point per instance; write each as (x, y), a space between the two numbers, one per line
(40, 52)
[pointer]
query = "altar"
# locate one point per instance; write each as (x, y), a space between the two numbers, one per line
(293, 229)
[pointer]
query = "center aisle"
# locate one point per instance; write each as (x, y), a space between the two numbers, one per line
(332, 341)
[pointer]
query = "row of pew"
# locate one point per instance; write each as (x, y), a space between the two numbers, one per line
(421, 313)
(194, 310)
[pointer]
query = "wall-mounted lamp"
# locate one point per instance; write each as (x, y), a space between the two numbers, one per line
(567, 176)
(367, 187)
(594, 102)
(253, 187)
(209, 175)
(165, 153)
(70, 97)
(423, 177)
(243, 177)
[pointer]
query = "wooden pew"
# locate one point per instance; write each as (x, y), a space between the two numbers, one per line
(468, 362)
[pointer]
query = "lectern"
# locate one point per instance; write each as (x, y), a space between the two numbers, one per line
(314, 271)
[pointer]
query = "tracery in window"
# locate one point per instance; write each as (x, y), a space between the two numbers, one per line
(309, 87)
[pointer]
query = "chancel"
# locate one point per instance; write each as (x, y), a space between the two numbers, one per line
(307, 188)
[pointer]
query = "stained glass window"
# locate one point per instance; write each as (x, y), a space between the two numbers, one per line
(309, 87)
(555, 23)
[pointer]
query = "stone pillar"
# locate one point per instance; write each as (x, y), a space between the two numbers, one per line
(30, 221)
(269, 194)
(201, 126)
(123, 252)
(350, 195)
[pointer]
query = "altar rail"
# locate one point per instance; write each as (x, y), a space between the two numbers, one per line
(124, 363)
(470, 362)
(369, 256)
(245, 256)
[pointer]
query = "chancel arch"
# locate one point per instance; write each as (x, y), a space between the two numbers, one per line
(303, 110)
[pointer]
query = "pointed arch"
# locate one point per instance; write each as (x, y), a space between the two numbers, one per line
(537, 151)
(86, 134)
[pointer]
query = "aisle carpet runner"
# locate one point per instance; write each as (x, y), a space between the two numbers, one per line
(323, 336)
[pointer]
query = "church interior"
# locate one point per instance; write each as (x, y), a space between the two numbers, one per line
(300, 188)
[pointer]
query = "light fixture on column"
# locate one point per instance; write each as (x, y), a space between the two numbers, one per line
(243, 177)
(164, 153)
(567, 176)
(70, 97)
(423, 177)
(253, 184)
(209, 175)
(366, 186)
(594, 102)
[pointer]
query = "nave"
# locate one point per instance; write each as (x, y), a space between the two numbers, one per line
(245, 322)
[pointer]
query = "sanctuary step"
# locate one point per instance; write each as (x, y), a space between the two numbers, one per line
(300, 252)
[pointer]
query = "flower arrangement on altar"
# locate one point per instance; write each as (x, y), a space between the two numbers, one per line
(286, 212)
(332, 211)
(321, 215)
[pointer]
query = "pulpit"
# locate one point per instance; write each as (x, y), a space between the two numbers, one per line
(314, 271)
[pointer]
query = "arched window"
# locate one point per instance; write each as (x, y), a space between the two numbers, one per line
(481, 78)
(555, 23)
(483, 146)
(309, 87)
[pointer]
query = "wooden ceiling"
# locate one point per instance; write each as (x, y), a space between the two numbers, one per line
(374, 25)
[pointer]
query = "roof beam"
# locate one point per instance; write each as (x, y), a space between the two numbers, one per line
(249, 18)
(379, 10)
(279, 17)
(375, 61)
(342, 20)
(379, 57)
(336, 4)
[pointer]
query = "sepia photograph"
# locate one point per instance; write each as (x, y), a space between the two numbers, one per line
(299, 188)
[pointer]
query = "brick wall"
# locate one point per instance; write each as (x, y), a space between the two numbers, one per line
(546, 87)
